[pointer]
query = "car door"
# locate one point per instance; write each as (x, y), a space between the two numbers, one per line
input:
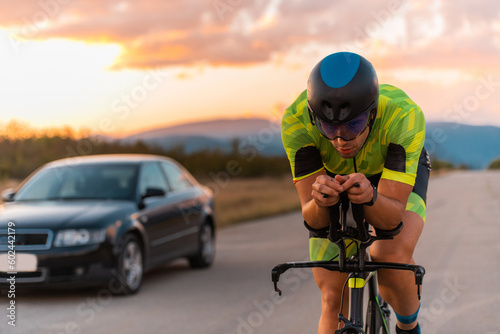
(161, 214)
(187, 196)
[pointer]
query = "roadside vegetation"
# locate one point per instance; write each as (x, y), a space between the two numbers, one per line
(247, 186)
(440, 167)
(23, 152)
(245, 199)
(495, 164)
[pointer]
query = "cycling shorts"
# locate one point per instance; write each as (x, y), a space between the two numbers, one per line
(322, 249)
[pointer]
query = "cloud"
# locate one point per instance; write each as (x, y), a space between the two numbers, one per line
(159, 33)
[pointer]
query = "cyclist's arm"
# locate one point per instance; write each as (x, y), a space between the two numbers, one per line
(388, 210)
(314, 205)
(405, 137)
(392, 196)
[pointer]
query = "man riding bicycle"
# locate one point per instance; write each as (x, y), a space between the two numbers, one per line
(347, 133)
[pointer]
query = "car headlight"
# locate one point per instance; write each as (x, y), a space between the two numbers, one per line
(79, 237)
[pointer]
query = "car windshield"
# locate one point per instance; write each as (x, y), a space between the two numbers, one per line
(97, 181)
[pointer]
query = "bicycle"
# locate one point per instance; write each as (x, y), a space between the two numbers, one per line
(361, 271)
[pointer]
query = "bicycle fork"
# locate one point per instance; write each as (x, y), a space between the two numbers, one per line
(356, 283)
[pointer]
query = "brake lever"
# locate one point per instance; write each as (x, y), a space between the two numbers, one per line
(279, 291)
(276, 273)
(419, 279)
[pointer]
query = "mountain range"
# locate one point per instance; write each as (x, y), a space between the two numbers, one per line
(460, 144)
(473, 146)
(262, 134)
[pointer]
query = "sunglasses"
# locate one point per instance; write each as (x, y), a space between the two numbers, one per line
(347, 131)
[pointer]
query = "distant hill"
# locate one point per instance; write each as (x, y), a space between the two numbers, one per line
(221, 128)
(473, 146)
(262, 134)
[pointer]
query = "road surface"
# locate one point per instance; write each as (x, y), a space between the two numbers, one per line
(460, 248)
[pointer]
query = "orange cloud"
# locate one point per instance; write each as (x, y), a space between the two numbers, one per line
(158, 33)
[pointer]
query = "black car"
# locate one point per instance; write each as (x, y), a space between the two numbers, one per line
(104, 219)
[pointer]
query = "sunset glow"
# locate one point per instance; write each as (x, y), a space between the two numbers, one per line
(121, 67)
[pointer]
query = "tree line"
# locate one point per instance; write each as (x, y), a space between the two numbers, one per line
(23, 150)
(438, 164)
(495, 164)
(21, 156)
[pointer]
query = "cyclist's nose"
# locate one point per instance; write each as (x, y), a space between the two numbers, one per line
(338, 141)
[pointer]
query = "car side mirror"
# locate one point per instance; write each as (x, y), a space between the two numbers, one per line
(153, 192)
(8, 195)
(150, 192)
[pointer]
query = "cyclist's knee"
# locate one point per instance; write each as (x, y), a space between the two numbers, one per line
(400, 255)
(331, 300)
(399, 250)
(330, 285)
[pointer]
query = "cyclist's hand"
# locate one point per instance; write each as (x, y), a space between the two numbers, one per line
(359, 189)
(326, 190)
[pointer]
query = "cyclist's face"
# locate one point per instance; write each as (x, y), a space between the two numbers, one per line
(349, 149)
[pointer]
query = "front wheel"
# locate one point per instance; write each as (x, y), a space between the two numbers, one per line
(205, 255)
(130, 268)
(377, 317)
(378, 313)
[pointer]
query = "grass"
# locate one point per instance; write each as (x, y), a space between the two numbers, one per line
(244, 199)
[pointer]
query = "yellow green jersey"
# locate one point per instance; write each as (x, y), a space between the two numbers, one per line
(392, 148)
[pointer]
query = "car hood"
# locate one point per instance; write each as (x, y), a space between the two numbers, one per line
(64, 214)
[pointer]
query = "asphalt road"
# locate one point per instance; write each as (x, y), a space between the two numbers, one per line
(460, 248)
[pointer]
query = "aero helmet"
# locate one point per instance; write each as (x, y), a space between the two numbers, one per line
(342, 90)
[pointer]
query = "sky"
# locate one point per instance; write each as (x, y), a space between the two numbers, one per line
(119, 67)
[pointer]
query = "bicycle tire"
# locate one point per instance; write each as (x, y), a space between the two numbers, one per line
(377, 311)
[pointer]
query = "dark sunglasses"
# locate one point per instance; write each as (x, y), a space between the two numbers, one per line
(347, 131)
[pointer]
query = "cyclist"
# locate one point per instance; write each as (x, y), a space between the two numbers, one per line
(346, 129)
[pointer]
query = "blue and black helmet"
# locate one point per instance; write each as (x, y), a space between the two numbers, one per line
(342, 86)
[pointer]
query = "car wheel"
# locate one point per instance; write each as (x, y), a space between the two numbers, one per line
(205, 255)
(130, 266)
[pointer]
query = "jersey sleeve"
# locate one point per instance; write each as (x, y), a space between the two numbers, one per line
(298, 140)
(405, 138)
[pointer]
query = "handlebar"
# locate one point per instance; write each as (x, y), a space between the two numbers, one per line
(337, 231)
(350, 266)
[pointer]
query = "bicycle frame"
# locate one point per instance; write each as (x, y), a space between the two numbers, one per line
(357, 267)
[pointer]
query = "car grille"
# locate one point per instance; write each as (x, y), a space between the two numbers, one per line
(27, 239)
(31, 277)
